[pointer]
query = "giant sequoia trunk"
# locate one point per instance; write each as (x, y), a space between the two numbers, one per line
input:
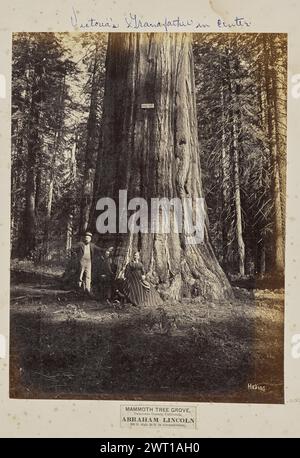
(153, 153)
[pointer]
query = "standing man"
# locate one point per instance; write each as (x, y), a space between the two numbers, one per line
(107, 275)
(87, 256)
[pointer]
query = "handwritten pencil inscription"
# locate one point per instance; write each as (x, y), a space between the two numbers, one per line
(135, 22)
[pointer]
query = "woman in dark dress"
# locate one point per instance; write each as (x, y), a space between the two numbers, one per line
(136, 288)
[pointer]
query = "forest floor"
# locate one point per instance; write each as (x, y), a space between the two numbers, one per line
(66, 346)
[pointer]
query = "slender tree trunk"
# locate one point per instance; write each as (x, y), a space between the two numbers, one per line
(262, 269)
(90, 154)
(46, 247)
(38, 182)
(153, 153)
(70, 216)
(278, 222)
(69, 238)
(54, 151)
(16, 186)
(261, 236)
(19, 175)
(225, 183)
(237, 201)
(236, 171)
(27, 239)
(278, 74)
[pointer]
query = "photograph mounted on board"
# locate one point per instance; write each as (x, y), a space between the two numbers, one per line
(148, 194)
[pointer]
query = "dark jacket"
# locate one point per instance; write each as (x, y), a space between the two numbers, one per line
(96, 252)
(106, 267)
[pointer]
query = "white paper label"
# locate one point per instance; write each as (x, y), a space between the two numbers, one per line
(147, 105)
(159, 416)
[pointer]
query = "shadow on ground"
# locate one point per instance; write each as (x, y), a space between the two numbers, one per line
(64, 346)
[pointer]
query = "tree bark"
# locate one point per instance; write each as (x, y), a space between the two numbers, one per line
(154, 153)
(225, 183)
(46, 247)
(70, 216)
(273, 142)
(262, 266)
(54, 152)
(17, 185)
(69, 237)
(236, 170)
(238, 207)
(279, 71)
(27, 239)
(38, 182)
(90, 154)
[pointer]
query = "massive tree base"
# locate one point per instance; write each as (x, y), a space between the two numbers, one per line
(150, 149)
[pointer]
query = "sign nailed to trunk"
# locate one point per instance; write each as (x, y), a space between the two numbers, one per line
(147, 105)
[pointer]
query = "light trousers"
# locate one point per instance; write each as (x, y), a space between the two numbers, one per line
(85, 276)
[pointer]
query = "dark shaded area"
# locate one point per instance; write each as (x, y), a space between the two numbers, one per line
(95, 352)
(268, 281)
(77, 358)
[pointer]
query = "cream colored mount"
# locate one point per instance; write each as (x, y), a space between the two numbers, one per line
(2, 86)
(2, 347)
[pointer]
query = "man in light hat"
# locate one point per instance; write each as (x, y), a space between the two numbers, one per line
(87, 252)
